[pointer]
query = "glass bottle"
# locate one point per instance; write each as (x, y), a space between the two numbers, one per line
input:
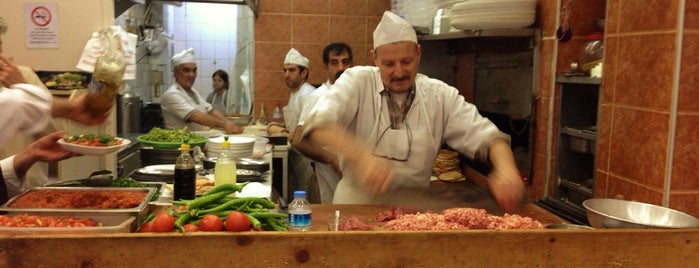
(185, 175)
(225, 168)
(299, 213)
(277, 115)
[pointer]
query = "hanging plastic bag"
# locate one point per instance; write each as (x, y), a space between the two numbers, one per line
(107, 79)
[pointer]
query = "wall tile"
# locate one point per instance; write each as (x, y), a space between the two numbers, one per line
(644, 78)
(650, 16)
(542, 125)
(546, 72)
(372, 22)
(608, 86)
(691, 17)
(584, 14)
(275, 6)
(348, 29)
(273, 56)
(310, 29)
(270, 85)
(688, 100)
(538, 177)
(270, 27)
(376, 8)
(612, 17)
(348, 7)
(569, 52)
(604, 125)
(686, 153)
(639, 146)
(314, 52)
(314, 7)
(632, 191)
(601, 184)
(685, 202)
(547, 17)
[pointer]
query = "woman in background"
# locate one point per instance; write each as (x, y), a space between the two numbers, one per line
(219, 97)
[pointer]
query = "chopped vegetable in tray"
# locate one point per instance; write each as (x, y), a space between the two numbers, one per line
(172, 135)
(97, 140)
(65, 81)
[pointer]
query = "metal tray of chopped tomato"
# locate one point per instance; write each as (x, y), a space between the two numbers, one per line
(112, 204)
(23, 223)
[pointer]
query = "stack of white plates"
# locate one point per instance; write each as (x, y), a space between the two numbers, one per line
(493, 14)
(240, 146)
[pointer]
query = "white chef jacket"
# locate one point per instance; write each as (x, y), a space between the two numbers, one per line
(292, 110)
(326, 175)
(25, 108)
(437, 115)
(178, 105)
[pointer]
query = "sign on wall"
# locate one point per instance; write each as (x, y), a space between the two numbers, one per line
(41, 25)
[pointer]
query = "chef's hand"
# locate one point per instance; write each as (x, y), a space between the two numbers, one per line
(375, 173)
(9, 73)
(76, 110)
(508, 189)
(45, 149)
(231, 127)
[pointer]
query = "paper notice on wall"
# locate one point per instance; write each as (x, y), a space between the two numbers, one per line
(41, 24)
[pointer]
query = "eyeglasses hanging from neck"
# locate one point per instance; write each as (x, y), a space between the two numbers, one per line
(395, 141)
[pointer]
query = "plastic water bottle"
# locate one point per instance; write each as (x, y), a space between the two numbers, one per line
(299, 213)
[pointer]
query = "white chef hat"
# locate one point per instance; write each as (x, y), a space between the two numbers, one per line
(185, 56)
(295, 57)
(3, 26)
(391, 29)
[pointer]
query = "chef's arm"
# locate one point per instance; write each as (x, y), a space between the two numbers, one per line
(504, 181)
(374, 173)
(44, 149)
(316, 153)
(76, 110)
(215, 119)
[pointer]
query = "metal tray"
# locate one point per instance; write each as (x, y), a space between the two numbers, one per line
(110, 215)
(109, 225)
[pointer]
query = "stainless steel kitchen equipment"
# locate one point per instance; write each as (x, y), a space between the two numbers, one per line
(616, 213)
(129, 112)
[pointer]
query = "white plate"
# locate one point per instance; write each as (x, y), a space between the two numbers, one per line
(93, 150)
(167, 169)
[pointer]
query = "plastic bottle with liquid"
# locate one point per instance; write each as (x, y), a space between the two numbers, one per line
(185, 175)
(299, 213)
(277, 115)
(262, 119)
(225, 168)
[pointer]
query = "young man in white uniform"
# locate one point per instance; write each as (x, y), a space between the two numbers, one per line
(389, 122)
(183, 106)
(337, 57)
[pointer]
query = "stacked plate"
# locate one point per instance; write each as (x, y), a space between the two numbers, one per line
(493, 14)
(241, 146)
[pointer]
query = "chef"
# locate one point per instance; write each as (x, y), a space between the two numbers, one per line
(295, 69)
(183, 106)
(389, 122)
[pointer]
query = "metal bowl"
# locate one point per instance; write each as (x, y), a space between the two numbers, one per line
(241, 120)
(614, 213)
(568, 226)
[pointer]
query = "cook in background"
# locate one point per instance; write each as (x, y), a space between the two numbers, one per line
(337, 57)
(36, 174)
(219, 97)
(183, 106)
(389, 122)
(295, 68)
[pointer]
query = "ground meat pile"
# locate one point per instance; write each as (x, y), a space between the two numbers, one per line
(460, 219)
(69, 199)
(354, 224)
(393, 213)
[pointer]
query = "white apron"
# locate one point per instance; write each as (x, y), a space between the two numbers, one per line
(411, 149)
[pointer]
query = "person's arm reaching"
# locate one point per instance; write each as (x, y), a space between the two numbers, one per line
(504, 181)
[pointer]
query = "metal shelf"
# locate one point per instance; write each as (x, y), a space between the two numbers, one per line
(563, 79)
(580, 133)
(575, 186)
(480, 33)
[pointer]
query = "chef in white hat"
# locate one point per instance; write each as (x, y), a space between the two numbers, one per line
(182, 105)
(388, 123)
(295, 68)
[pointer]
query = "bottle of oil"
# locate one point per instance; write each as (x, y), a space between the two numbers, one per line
(185, 175)
(225, 168)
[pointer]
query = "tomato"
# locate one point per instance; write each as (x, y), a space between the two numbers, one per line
(146, 227)
(164, 222)
(211, 223)
(190, 227)
(237, 221)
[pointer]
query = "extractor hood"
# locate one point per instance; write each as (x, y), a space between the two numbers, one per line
(122, 5)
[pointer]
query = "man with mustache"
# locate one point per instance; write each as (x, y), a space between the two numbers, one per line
(337, 57)
(183, 106)
(388, 123)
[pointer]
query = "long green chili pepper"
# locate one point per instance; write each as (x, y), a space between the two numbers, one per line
(181, 219)
(256, 224)
(235, 187)
(267, 215)
(223, 206)
(203, 200)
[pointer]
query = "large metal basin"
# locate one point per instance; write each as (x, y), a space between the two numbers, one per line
(614, 213)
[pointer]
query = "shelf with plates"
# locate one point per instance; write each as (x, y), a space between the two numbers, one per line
(514, 32)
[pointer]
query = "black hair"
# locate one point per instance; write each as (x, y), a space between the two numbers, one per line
(336, 48)
(224, 76)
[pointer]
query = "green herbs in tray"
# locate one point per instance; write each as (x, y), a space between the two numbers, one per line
(170, 138)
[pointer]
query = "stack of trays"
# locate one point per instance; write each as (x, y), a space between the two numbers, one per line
(493, 14)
